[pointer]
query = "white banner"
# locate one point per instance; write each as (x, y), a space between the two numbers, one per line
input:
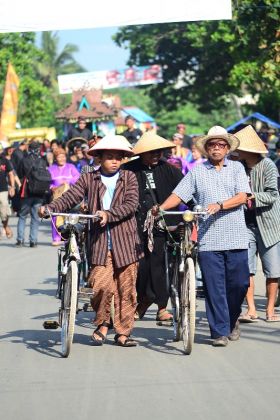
(34, 15)
(109, 79)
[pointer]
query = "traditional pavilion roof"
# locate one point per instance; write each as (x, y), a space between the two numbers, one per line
(89, 104)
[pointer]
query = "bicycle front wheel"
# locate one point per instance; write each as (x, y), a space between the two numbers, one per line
(68, 308)
(175, 301)
(188, 306)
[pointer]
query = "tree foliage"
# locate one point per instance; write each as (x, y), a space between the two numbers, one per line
(207, 62)
(35, 102)
(37, 69)
(55, 61)
(197, 122)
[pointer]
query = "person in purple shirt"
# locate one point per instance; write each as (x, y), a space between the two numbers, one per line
(61, 173)
(196, 159)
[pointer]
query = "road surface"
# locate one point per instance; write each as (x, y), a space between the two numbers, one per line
(153, 381)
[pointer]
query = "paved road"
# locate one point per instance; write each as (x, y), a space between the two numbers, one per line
(153, 381)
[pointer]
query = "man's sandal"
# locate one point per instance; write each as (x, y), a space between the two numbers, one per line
(164, 318)
(128, 342)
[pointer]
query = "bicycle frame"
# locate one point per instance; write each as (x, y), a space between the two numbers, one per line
(72, 249)
(68, 278)
(181, 284)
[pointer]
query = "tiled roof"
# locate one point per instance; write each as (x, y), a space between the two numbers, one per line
(98, 110)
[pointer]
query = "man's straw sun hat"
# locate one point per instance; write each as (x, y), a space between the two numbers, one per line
(250, 141)
(150, 141)
(217, 133)
(112, 142)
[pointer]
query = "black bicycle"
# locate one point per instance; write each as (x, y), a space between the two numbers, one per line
(180, 260)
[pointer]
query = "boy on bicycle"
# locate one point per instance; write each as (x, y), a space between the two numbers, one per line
(113, 196)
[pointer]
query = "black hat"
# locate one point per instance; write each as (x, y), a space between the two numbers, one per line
(34, 145)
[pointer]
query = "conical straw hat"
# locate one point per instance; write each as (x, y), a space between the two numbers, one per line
(250, 141)
(112, 142)
(150, 141)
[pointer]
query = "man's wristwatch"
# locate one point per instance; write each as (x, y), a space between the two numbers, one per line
(221, 205)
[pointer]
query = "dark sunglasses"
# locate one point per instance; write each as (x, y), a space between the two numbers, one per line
(212, 145)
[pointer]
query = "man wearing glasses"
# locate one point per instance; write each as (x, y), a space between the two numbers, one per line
(221, 186)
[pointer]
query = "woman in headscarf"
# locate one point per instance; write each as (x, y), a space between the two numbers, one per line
(156, 179)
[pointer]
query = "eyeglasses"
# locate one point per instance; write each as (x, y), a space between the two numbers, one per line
(219, 145)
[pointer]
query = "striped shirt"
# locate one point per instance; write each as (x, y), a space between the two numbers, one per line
(225, 230)
(126, 247)
(264, 182)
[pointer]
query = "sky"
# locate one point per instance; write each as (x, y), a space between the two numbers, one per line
(97, 50)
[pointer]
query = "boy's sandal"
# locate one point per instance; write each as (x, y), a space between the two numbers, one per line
(96, 341)
(128, 342)
(109, 325)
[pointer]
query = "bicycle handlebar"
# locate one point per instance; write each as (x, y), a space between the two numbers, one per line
(80, 215)
(198, 213)
(187, 215)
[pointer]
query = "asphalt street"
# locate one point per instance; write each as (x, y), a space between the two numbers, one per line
(152, 381)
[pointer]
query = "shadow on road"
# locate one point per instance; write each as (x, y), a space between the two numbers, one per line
(7, 244)
(43, 342)
(43, 291)
(35, 292)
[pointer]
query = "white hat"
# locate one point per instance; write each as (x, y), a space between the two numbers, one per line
(112, 142)
(217, 132)
(250, 141)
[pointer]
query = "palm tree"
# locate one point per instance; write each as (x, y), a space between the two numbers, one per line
(56, 62)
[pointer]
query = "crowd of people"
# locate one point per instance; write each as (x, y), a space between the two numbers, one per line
(124, 178)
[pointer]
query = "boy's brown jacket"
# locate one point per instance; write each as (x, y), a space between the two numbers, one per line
(126, 246)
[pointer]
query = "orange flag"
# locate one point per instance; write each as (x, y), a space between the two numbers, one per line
(10, 103)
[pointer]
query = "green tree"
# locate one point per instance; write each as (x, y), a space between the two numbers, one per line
(166, 121)
(37, 70)
(55, 61)
(36, 105)
(208, 62)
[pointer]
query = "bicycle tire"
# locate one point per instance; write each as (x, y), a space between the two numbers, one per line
(69, 305)
(188, 306)
(175, 302)
(59, 275)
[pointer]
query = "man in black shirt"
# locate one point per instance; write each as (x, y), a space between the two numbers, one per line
(18, 154)
(29, 203)
(131, 134)
(156, 180)
(80, 131)
(6, 178)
